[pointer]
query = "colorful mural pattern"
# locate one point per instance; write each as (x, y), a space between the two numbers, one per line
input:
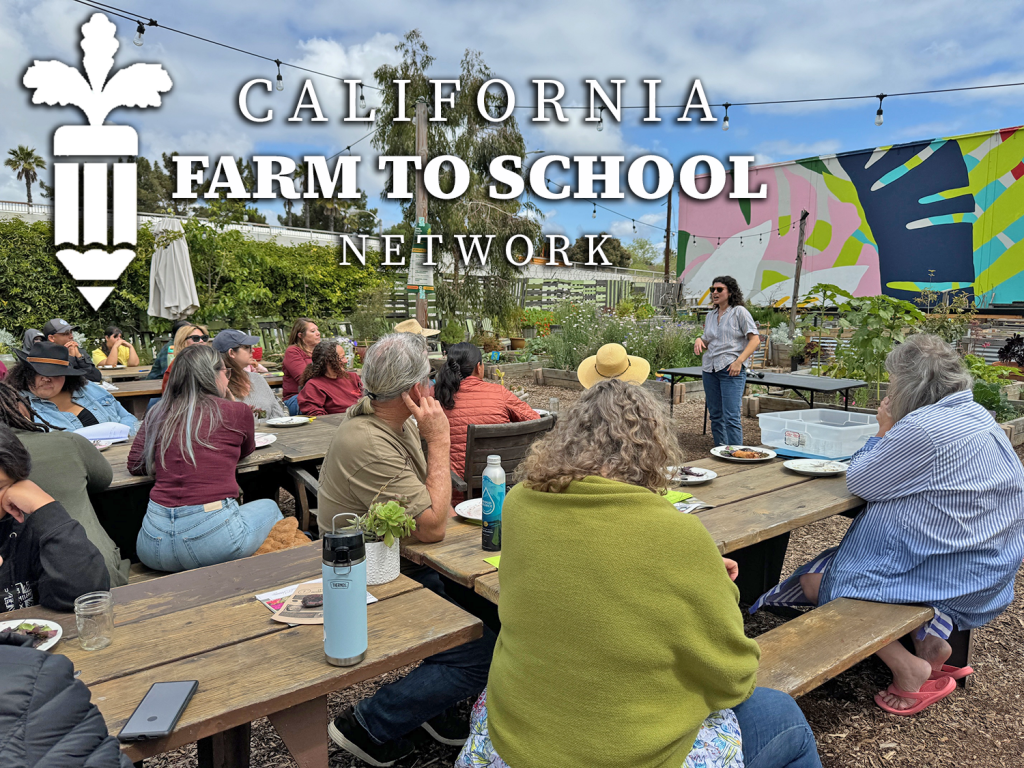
(940, 214)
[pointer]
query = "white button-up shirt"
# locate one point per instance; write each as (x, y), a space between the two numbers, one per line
(726, 338)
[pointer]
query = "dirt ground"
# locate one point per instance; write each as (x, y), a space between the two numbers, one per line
(980, 726)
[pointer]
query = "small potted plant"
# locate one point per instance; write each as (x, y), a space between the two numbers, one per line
(382, 526)
(1011, 355)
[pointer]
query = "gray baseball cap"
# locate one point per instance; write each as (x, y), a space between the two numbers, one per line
(230, 338)
(58, 325)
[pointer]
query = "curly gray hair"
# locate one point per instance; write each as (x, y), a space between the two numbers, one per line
(923, 370)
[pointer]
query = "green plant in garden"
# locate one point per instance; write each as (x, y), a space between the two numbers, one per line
(386, 521)
(1013, 350)
(8, 342)
(990, 395)
(949, 320)
(769, 316)
(452, 333)
(982, 371)
(541, 319)
(368, 322)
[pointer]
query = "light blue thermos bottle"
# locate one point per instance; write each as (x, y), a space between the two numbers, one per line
(344, 571)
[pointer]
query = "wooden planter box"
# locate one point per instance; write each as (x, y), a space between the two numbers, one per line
(509, 369)
(1014, 430)
(553, 377)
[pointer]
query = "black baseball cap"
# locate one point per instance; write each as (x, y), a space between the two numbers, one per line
(58, 325)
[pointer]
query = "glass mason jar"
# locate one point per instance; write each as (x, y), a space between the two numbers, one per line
(94, 615)
(553, 405)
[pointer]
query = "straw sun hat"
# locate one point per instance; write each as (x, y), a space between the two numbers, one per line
(412, 326)
(612, 362)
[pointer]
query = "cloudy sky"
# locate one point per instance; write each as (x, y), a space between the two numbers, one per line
(741, 51)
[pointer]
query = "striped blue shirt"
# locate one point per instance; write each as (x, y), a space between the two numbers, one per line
(944, 524)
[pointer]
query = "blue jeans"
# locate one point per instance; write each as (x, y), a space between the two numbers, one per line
(181, 538)
(775, 732)
(441, 681)
(724, 396)
(292, 404)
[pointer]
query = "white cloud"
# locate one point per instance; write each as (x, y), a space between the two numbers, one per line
(778, 151)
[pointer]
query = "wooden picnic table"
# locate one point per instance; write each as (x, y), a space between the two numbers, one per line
(130, 372)
(754, 503)
(135, 395)
(207, 625)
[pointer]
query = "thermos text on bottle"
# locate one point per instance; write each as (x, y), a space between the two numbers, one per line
(493, 493)
(344, 575)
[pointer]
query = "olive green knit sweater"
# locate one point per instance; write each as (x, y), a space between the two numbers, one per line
(620, 630)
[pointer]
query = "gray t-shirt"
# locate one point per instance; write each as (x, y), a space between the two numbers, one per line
(262, 396)
(726, 338)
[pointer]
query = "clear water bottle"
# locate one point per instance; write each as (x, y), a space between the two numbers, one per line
(493, 492)
(344, 572)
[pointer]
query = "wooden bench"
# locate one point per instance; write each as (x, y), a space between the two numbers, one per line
(807, 651)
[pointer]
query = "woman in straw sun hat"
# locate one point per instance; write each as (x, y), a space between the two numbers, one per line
(612, 362)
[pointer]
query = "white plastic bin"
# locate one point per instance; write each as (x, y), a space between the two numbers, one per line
(818, 431)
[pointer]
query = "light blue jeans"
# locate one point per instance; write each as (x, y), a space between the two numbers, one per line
(176, 539)
(292, 404)
(775, 733)
(724, 396)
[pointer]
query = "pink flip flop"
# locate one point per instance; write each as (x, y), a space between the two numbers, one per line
(957, 673)
(930, 692)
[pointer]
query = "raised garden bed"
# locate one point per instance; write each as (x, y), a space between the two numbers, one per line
(510, 369)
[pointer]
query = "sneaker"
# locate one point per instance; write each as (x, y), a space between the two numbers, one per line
(349, 734)
(449, 728)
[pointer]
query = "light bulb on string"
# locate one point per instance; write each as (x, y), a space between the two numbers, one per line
(878, 114)
(139, 32)
(280, 80)
(594, 214)
(634, 225)
(600, 119)
(725, 123)
(362, 99)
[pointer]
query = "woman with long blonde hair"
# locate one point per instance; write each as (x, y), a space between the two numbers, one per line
(184, 337)
(621, 639)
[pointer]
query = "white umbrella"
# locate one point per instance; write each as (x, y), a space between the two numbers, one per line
(172, 288)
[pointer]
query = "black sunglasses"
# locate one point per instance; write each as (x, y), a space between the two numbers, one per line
(195, 339)
(716, 290)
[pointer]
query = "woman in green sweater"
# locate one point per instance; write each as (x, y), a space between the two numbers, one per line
(621, 640)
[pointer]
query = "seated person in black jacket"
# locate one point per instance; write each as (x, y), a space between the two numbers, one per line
(45, 715)
(45, 557)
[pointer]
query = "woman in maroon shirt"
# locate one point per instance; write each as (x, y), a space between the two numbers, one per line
(301, 341)
(194, 518)
(327, 386)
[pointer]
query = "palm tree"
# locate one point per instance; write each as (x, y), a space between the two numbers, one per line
(331, 206)
(25, 161)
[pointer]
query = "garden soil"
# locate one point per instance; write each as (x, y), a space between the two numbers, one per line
(982, 725)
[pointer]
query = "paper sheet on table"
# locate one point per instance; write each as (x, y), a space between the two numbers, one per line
(274, 600)
(493, 560)
(110, 431)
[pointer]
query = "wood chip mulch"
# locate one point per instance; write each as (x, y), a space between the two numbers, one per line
(982, 725)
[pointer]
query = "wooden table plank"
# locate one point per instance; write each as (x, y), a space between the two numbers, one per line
(801, 654)
(309, 442)
(487, 586)
(154, 387)
(746, 522)
(131, 372)
(190, 589)
(460, 556)
(269, 674)
(190, 632)
(757, 480)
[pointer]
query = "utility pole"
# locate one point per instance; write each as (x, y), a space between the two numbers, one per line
(421, 228)
(796, 274)
(668, 235)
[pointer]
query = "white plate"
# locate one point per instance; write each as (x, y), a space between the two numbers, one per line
(111, 367)
(48, 624)
(472, 509)
(706, 475)
(102, 445)
(264, 439)
(724, 451)
(288, 421)
(816, 467)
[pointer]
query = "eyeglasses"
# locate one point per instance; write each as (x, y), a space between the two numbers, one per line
(197, 339)
(716, 290)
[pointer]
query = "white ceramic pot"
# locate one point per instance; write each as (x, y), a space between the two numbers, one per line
(382, 563)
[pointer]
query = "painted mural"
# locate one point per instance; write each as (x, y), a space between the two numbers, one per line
(940, 214)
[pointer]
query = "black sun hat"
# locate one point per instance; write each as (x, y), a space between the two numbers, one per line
(49, 359)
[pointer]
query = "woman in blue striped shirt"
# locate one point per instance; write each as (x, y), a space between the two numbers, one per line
(944, 523)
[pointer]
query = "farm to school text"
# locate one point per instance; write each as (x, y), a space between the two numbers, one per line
(342, 182)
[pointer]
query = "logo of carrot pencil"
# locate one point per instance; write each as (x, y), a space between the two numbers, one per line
(139, 85)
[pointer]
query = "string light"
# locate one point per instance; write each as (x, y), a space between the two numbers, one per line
(139, 32)
(600, 119)
(594, 214)
(725, 123)
(878, 114)
(634, 226)
(280, 80)
(362, 99)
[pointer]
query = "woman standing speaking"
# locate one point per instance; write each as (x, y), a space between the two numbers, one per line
(730, 338)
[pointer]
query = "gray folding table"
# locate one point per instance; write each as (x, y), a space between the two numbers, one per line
(797, 382)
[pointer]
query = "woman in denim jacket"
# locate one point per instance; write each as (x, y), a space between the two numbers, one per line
(59, 394)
